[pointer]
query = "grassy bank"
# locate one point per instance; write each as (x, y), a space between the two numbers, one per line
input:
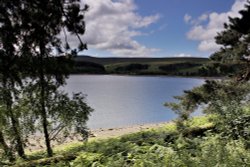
(199, 146)
(114, 151)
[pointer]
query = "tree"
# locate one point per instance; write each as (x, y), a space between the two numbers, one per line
(29, 30)
(8, 152)
(9, 71)
(65, 114)
(227, 99)
(42, 22)
(235, 41)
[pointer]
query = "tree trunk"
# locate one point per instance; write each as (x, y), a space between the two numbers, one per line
(19, 142)
(42, 102)
(15, 123)
(45, 130)
(6, 148)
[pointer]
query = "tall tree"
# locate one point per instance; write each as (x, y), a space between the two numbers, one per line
(9, 72)
(31, 29)
(228, 99)
(8, 152)
(235, 42)
(42, 22)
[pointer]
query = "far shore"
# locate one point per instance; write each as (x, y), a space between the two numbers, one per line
(151, 75)
(36, 143)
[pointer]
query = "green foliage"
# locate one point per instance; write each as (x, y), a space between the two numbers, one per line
(31, 48)
(87, 159)
(227, 101)
(153, 150)
(235, 43)
(212, 151)
(66, 114)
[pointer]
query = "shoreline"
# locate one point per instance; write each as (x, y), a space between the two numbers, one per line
(103, 133)
(36, 142)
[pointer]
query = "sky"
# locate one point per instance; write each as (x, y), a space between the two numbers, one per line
(156, 28)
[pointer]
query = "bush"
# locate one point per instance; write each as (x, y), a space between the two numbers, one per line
(87, 160)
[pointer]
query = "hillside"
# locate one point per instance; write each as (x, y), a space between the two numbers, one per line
(180, 66)
(116, 60)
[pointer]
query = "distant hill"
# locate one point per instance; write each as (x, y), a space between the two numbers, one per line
(181, 66)
(115, 60)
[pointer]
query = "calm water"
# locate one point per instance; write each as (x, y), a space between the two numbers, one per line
(121, 101)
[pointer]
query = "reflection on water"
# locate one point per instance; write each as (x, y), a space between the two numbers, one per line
(127, 100)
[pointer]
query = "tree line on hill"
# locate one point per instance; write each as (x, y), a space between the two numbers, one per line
(207, 69)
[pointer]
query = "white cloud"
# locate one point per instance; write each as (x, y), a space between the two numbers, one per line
(203, 17)
(183, 55)
(111, 25)
(190, 20)
(205, 33)
(187, 18)
(208, 45)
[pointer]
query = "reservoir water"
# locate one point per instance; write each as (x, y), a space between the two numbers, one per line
(120, 101)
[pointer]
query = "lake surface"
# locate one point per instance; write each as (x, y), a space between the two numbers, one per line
(121, 101)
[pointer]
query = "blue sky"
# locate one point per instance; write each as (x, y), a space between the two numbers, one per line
(156, 28)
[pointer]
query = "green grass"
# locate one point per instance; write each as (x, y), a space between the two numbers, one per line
(118, 149)
(160, 147)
